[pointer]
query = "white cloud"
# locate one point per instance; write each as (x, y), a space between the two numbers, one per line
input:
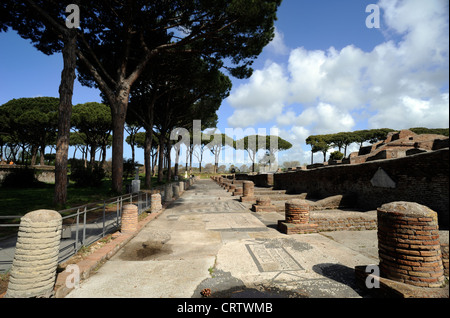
(262, 99)
(410, 112)
(277, 45)
(325, 119)
(401, 83)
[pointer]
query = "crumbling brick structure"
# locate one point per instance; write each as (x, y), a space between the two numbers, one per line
(408, 244)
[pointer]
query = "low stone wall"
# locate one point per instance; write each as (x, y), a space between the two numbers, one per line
(343, 223)
(42, 173)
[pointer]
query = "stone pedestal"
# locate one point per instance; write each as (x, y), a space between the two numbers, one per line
(176, 191)
(296, 218)
(155, 205)
(181, 185)
(168, 193)
(135, 186)
(263, 204)
(35, 261)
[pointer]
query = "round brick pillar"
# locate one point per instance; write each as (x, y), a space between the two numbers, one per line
(33, 271)
(129, 218)
(263, 201)
(248, 189)
(231, 188)
(297, 212)
(408, 244)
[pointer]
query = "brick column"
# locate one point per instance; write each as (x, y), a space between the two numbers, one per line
(237, 191)
(297, 212)
(297, 218)
(263, 204)
(33, 271)
(408, 244)
(176, 191)
(168, 192)
(249, 189)
(155, 204)
(129, 219)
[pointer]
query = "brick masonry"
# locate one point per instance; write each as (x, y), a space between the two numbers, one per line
(129, 218)
(408, 244)
(325, 224)
(421, 178)
(297, 218)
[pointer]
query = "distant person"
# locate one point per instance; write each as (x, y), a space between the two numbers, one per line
(11, 163)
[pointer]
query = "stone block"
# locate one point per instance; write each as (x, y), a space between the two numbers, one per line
(33, 271)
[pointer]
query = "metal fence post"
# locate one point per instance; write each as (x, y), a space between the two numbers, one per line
(76, 232)
(104, 218)
(84, 226)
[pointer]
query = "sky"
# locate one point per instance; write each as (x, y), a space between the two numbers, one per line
(326, 71)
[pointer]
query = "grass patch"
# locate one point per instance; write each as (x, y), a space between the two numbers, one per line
(15, 201)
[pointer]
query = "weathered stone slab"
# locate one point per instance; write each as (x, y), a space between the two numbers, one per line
(272, 259)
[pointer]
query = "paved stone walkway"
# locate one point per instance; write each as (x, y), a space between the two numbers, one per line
(208, 239)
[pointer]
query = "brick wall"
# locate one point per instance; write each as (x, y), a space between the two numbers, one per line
(260, 180)
(421, 178)
(326, 224)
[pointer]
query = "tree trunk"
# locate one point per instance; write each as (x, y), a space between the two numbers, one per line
(148, 144)
(190, 159)
(161, 158)
(155, 160)
(93, 151)
(34, 150)
(169, 163)
(42, 156)
(147, 158)
(177, 159)
(103, 155)
(65, 112)
(118, 117)
(133, 156)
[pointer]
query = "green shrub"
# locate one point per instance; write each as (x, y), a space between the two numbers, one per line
(336, 155)
(90, 176)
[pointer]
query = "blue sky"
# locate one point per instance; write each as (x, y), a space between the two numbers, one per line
(324, 72)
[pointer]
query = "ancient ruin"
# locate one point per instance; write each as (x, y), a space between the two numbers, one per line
(397, 145)
(36, 256)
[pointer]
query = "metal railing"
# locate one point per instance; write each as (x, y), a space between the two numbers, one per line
(81, 226)
(85, 225)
